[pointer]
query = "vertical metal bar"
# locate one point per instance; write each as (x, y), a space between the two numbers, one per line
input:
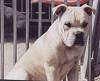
(52, 5)
(2, 37)
(95, 39)
(65, 1)
(40, 18)
(78, 3)
(89, 43)
(31, 10)
(14, 33)
(27, 24)
(89, 52)
(21, 5)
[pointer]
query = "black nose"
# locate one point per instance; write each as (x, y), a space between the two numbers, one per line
(79, 40)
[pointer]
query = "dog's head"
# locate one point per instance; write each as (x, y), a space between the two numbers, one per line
(73, 23)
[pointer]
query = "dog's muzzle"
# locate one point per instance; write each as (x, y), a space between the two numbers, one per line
(79, 40)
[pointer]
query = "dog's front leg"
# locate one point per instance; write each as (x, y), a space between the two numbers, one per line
(73, 74)
(49, 70)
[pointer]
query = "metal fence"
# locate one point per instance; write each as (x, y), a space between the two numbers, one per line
(27, 9)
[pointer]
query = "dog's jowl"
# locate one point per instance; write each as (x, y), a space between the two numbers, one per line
(53, 56)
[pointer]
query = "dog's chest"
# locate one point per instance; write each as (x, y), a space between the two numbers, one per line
(68, 55)
(64, 67)
(67, 61)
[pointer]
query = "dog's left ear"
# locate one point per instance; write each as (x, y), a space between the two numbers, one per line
(59, 10)
(88, 9)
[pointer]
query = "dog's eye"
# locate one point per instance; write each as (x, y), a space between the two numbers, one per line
(84, 24)
(68, 24)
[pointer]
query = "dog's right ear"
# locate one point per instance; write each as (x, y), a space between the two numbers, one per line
(59, 10)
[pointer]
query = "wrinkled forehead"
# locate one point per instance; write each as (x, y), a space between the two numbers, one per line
(75, 14)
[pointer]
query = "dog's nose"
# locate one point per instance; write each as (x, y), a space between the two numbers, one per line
(79, 34)
(79, 40)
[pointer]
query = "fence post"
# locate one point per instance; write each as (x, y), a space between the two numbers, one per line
(40, 18)
(2, 37)
(14, 33)
(52, 5)
(96, 38)
(89, 43)
(65, 2)
(78, 3)
(27, 24)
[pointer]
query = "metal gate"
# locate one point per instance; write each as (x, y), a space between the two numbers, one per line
(41, 17)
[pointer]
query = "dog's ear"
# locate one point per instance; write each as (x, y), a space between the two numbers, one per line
(59, 10)
(88, 9)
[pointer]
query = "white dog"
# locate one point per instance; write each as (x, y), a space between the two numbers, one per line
(54, 55)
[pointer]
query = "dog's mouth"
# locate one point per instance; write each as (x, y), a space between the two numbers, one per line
(79, 40)
(76, 40)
